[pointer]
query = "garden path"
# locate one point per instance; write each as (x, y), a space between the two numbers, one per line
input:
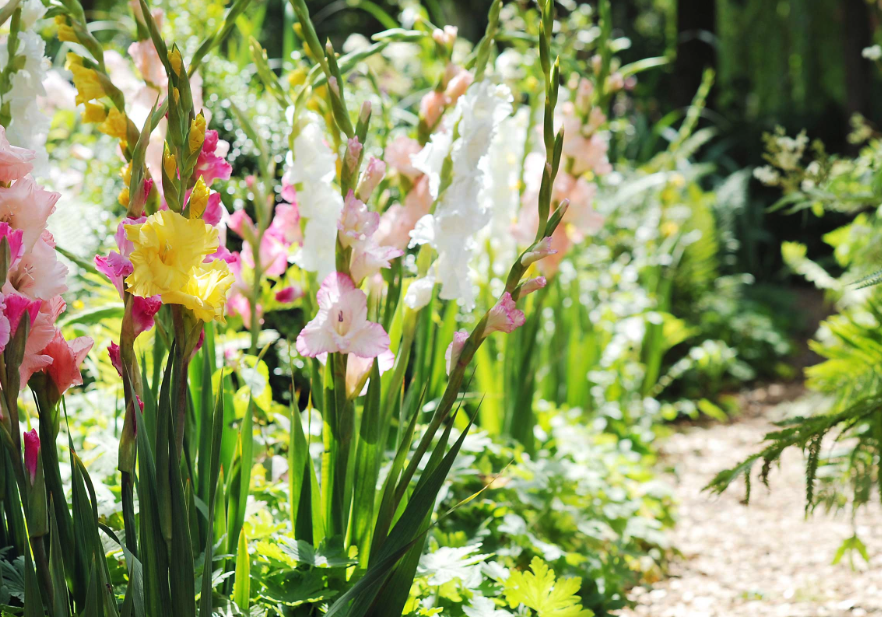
(764, 559)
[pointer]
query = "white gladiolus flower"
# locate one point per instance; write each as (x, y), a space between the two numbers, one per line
(311, 168)
(460, 212)
(419, 293)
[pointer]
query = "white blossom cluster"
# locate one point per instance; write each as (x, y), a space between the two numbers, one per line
(311, 168)
(460, 212)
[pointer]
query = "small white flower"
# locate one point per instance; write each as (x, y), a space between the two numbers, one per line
(874, 52)
(766, 175)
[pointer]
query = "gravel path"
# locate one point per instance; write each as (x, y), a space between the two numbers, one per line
(764, 559)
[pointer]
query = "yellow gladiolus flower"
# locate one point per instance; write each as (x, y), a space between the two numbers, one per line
(198, 199)
(205, 292)
(115, 124)
(87, 83)
(123, 198)
(168, 246)
(65, 32)
(197, 134)
(95, 113)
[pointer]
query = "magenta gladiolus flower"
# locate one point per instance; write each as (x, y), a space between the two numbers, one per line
(289, 294)
(16, 243)
(143, 310)
(211, 164)
(115, 357)
(16, 306)
(31, 453)
(341, 325)
(504, 317)
(115, 267)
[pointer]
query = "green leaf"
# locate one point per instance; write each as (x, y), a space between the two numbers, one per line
(712, 410)
(542, 592)
(303, 553)
(242, 586)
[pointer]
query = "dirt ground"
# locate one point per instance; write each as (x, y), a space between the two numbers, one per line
(764, 559)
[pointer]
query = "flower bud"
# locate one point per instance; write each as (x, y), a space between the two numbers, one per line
(532, 285)
(169, 163)
(198, 199)
(353, 152)
(373, 174)
(538, 251)
(31, 453)
(197, 134)
(174, 58)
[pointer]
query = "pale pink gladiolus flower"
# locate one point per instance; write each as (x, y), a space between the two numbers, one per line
(373, 174)
(341, 325)
(368, 258)
(286, 222)
(147, 62)
(115, 357)
(542, 250)
(398, 221)
(532, 285)
(353, 151)
(358, 372)
(31, 453)
(588, 154)
(432, 106)
(560, 246)
(39, 274)
(66, 359)
(356, 223)
(457, 84)
(454, 350)
(15, 162)
(398, 155)
(27, 206)
(445, 37)
(504, 317)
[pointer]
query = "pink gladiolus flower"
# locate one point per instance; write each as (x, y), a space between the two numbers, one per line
(273, 255)
(532, 285)
(369, 258)
(27, 206)
(16, 306)
(286, 222)
(341, 325)
(122, 242)
(14, 237)
(458, 82)
(373, 174)
(15, 162)
(561, 244)
(289, 193)
(289, 295)
(115, 357)
(66, 359)
(358, 371)
(432, 106)
(540, 251)
(454, 350)
(504, 317)
(398, 155)
(211, 164)
(398, 221)
(31, 453)
(143, 311)
(356, 223)
(147, 62)
(39, 274)
(41, 334)
(214, 210)
(115, 267)
(241, 223)
(353, 151)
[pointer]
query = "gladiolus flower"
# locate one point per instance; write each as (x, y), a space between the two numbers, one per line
(454, 350)
(532, 285)
(205, 291)
(115, 267)
(353, 152)
(27, 206)
(198, 199)
(86, 81)
(168, 247)
(176, 61)
(286, 223)
(369, 258)
(115, 357)
(15, 239)
(149, 64)
(66, 359)
(540, 251)
(289, 295)
(356, 223)
(358, 371)
(504, 317)
(15, 162)
(432, 106)
(341, 325)
(373, 174)
(115, 124)
(16, 306)
(211, 164)
(214, 210)
(398, 154)
(143, 311)
(31, 453)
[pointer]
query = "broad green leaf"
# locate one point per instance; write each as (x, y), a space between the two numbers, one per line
(542, 592)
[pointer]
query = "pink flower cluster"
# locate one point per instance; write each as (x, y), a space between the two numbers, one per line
(281, 234)
(454, 83)
(35, 278)
(399, 220)
(356, 229)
